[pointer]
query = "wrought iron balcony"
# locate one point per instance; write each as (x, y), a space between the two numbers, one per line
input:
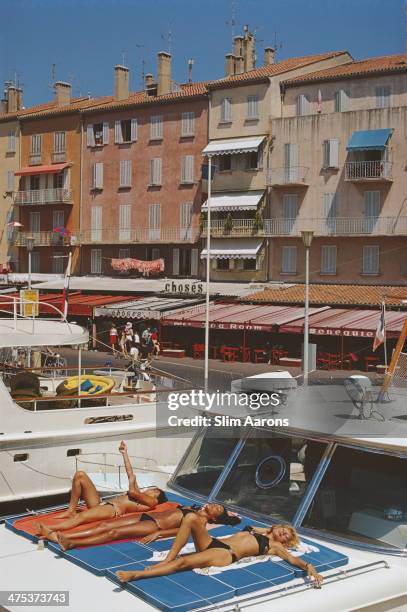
(43, 196)
(115, 235)
(35, 159)
(45, 238)
(238, 228)
(58, 157)
(289, 175)
(368, 171)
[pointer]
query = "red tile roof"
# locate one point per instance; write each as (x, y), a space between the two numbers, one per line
(372, 65)
(270, 70)
(324, 295)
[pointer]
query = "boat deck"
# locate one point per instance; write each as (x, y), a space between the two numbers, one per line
(89, 576)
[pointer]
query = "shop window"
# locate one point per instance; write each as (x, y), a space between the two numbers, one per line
(223, 264)
(225, 163)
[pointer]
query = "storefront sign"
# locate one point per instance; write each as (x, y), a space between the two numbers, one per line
(348, 333)
(29, 302)
(184, 288)
(229, 326)
(123, 313)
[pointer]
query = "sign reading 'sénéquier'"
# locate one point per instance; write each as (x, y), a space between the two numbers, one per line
(191, 288)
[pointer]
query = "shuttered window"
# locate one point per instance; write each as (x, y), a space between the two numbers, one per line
(155, 171)
(371, 204)
(290, 211)
(59, 142)
(105, 133)
(10, 181)
(186, 221)
(90, 136)
(156, 127)
(96, 261)
(289, 260)
(340, 101)
(36, 144)
(10, 228)
(58, 262)
(226, 109)
(58, 218)
(187, 169)
(303, 105)
(328, 259)
(188, 124)
(370, 259)
(35, 222)
(175, 262)
(383, 96)
(329, 205)
(252, 107)
(35, 262)
(155, 221)
(97, 170)
(291, 169)
(331, 153)
(134, 129)
(11, 141)
(125, 173)
(124, 222)
(96, 224)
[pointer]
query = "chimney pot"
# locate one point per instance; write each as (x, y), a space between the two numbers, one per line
(229, 64)
(238, 45)
(269, 56)
(249, 52)
(121, 82)
(62, 93)
(163, 73)
(149, 79)
(239, 64)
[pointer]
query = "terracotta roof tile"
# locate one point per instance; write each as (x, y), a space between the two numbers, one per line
(372, 65)
(332, 295)
(264, 72)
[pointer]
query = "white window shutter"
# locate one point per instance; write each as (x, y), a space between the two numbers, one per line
(289, 260)
(183, 169)
(90, 136)
(371, 256)
(96, 261)
(226, 109)
(133, 130)
(175, 262)
(118, 132)
(194, 262)
(105, 133)
(159, 171)
(290, 205)
(98, 175)
(328, 259)
(129, 172)
(371, 200)
(291, 162)
(124, 221)
(122, 179)
(10, 181)
(325, 145)
(96, 223)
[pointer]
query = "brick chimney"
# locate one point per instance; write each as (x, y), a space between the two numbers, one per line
(229, 64)
(12, 99)
(121, 82)
(149, 79)
(163, 73)
(269, 56)
(249, 52)
(239, 64)
(238, 45)
(62, 93)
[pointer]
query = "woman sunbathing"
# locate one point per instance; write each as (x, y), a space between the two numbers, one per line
(149, 526)
(135, 500)
(210, 551)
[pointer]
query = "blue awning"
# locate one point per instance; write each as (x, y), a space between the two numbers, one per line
(368, 140)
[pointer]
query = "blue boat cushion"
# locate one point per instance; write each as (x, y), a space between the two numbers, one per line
(323, 560)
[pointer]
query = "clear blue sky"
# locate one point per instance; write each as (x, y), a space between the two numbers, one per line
(86, 38)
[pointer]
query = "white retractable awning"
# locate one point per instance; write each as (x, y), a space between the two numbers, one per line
(233, 145)
(233, 249)
(239, 200)
(40, 332)
(147, 308)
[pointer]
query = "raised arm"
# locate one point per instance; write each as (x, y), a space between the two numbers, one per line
(283, 553)
(129, 469)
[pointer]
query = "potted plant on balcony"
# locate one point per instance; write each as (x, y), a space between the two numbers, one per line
(201, 222)
(258, 223)
(227, 228)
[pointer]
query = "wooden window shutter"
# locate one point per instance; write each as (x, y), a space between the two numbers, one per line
(90, 136)
(118, 132)
(105, 133)
(134, 130)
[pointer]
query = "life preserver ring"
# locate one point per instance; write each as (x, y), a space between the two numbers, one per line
(281, 469)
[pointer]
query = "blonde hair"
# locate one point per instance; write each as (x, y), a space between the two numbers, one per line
(294, 541)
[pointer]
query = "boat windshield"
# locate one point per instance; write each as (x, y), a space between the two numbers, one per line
(205, 460)
(271, 475)
(362, 496)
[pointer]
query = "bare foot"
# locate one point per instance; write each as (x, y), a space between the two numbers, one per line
(66, 514)
(46, 533)
(126, 576)
(63, 541)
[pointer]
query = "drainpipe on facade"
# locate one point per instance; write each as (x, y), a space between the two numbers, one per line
(80, 200)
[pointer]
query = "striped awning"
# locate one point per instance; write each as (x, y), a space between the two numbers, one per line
(235, 200)
(233, 145)
(233, 249)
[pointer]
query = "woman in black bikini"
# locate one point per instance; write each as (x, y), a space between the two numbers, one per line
(149, 526)
(135, 500)
(211, 551)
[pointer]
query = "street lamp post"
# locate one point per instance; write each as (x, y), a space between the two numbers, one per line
(29, 241)
(307, 237)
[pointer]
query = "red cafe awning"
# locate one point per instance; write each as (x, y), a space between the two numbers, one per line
(349, 323)
(51, 169)
(78, 304)
(237, 316)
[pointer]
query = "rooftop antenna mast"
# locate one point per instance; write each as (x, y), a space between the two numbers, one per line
(278, 45)
(123, 58)
(53, 76)
(168, 39)
(232, 22)
(143, 65)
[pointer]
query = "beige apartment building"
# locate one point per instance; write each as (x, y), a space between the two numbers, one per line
(240, 141)
(338, 168)
(9, 162)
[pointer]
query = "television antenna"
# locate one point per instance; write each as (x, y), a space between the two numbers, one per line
(232, 21)
(143, 65)
(277, 45)
(168, 38)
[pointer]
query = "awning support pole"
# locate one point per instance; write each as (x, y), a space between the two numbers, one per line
(208, 270)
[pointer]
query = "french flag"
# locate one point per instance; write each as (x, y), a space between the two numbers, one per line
(380, 336)
(65, 294)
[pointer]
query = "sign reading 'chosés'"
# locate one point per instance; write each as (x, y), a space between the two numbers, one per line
(184, 288)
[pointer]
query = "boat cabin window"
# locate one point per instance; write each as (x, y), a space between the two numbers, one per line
(362, 496)
(205, 460)
(271, 474)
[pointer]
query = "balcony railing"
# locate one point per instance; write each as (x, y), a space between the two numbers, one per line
(35, 159)
(58, 157)
(334, 226)
(46, 238)
(114, 235)
(368, 171)
(43, 196)
(289, 175)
